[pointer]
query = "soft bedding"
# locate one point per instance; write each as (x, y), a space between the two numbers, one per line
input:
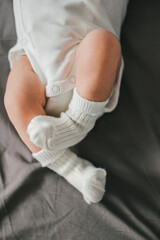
(37, 204)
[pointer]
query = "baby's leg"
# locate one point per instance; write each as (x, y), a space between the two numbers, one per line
(98, 61)
(80, 173)
(24, 98)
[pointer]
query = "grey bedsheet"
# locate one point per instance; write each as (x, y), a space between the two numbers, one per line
(37, 204)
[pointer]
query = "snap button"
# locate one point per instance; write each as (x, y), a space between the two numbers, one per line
(72, 79)
(24, 41)
(56, 88)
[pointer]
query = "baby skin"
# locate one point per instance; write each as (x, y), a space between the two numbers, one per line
(98, 59)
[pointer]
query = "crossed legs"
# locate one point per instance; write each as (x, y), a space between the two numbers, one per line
(98, 59)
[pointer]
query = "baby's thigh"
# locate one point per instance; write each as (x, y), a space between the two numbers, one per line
(23, 84)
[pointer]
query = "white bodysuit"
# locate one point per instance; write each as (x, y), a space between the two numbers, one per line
(49, 32)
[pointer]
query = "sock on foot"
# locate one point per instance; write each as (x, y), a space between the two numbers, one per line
(73, 125)
(80, 173)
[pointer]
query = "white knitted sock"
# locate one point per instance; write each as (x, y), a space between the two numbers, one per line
(73, 125)
(81, 174)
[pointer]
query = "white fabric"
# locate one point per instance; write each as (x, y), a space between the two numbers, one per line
(70, 128)
(49, 32)
(81, 174)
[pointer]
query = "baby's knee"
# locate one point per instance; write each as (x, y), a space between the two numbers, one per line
(12, 101)
(8, 94)
(23, 87)
(110, 43)
(103, 41)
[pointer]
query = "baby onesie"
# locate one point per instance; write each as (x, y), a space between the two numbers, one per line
(49, 32)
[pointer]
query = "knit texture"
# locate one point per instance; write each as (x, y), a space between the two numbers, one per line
(46, 157)
(70, 128)
(80, 173)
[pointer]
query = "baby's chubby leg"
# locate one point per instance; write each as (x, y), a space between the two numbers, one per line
(98, 61)
(24, 98)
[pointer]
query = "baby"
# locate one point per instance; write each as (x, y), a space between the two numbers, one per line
(66, 73)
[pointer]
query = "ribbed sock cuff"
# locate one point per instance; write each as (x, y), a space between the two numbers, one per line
(46, 157)
(81, 104)
(72, 168)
